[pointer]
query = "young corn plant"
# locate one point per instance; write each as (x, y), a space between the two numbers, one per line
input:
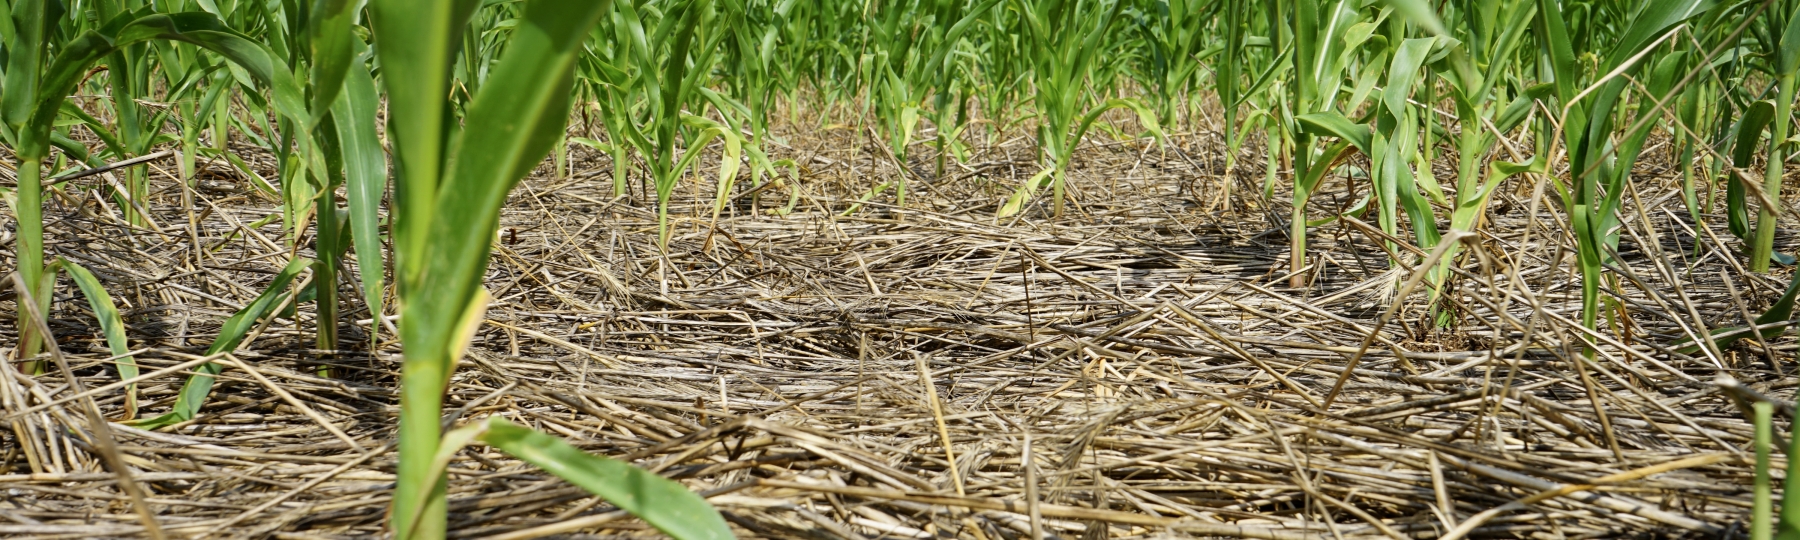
(448, 210)
(1064, 38)
(1175, 43)
(1487, 35)
(340, 149)
(898, 85)
(1323, 36)
(1784, 67)
(910, 61)
(128, 73)
(611, 87)
(1260, 59)
(668, 63)
(36, 84)
(1600, 158)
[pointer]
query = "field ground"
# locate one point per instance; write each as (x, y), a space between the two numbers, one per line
(1137, 368)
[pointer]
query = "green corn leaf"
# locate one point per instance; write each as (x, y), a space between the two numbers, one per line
(417, 44)
(26, 46)
(1330, 155)
(1781, 311)
(1553, 34)
(1333, 124)
(453, 442)
(333, 42)
(256, 179)
(1145, 116)
(197, 28)
(1787, 56)
(1421, 13)
(1520, 108)
(111, 324)
(1649, 24)
(75, 150)
(365, 178)
(526, 97)
(199, 386)
(662, 503)
(1404, 72)
(956, 31)
(729, 163)
(1743, 151)
(1016, 202)
(99, 127)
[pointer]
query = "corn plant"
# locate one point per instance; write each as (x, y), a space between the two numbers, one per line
(1586, 104)
(1176, 43)
(751, 61)
(345, 153)
(665, 61)
(910, 60)
(1004, 71)
(1064, 38)
(1488, 35)
(1745, 137)
(613, 94)
(1255, 56)
(1784, 66)
(1322, 35)
(448, 210)
(36, 84)
(129, 70)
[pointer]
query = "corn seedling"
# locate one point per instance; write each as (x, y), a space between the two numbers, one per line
(1785, 67)
(1586, 104)
(448, 211)
(36, 83)
(1064, 40)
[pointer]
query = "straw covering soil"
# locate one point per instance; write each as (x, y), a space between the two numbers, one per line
(1136, 369)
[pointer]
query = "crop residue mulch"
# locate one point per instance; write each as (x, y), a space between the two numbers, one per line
(1139, 367)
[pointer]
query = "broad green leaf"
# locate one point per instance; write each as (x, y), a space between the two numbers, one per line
(1016, 202)
(1743, 150)
(195, 391)
(1520, 108)
(1330, 123)
(25, 48)
(416, 42)
(198, 28)
(111, 325)
(1404, 72)
(527, 94)
(729, 163)
(1144, 114)
(365, 178)
(1781, 311)
(334, 47)
(1649, 23)
(1330, 155)
(662, 503)
(1787, 55)
(1421, 13)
